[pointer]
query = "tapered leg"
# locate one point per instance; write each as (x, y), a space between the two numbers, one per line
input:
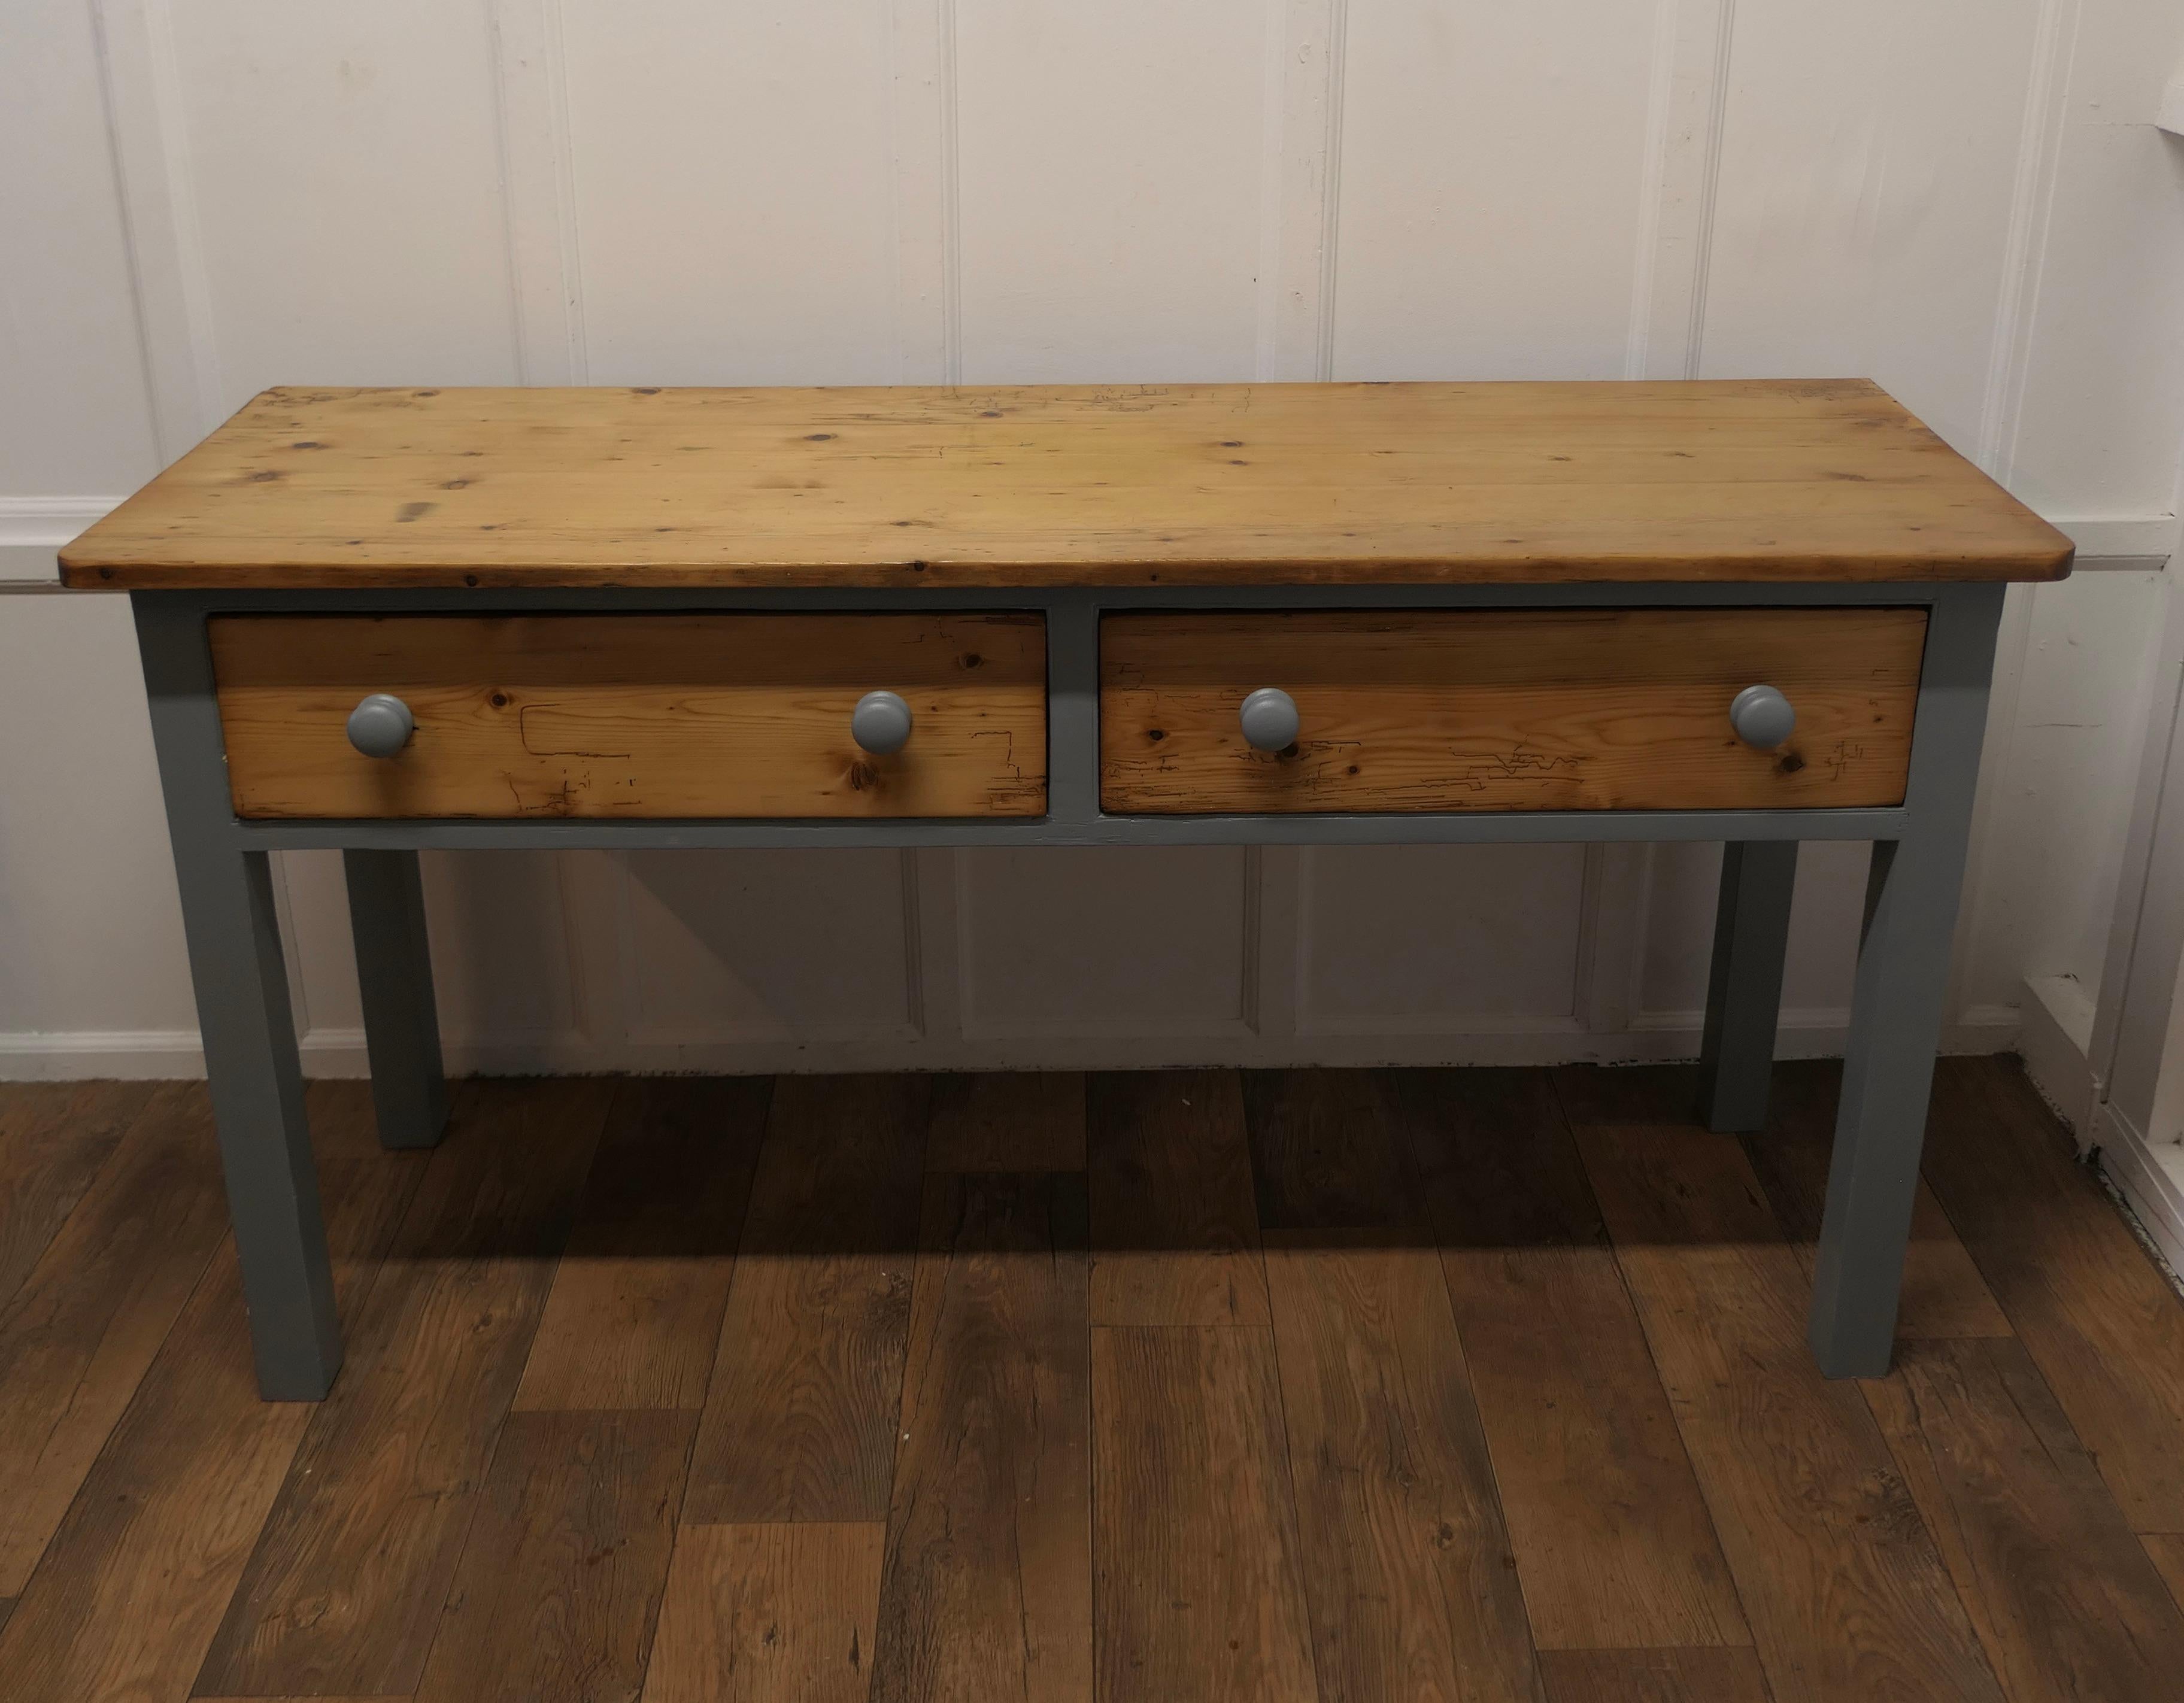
(394, 974)
(1744, 994)
(1896, 1009)
(243, 1011)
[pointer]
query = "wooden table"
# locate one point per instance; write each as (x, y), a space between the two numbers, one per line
(381, 619)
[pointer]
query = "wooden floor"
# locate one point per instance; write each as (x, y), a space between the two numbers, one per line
(1345, 1386)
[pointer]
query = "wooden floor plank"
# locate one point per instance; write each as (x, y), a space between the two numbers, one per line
(2165, 1549)
(1410, 1581)
(53, 1138)
(1175, 1232)
(1612, 1540)
(128, 1594)
(79, 1333)
(561, 1578)
(1653, 1676)
(2065, 1601)
(987, 1593)
(1197, 1571)
(345, 1587)
(1841, 1583)
(799, 1423)
(2104, 1328)
(1013, 1121)
(1943, 1294)
(768, 1614)
(635, 1311)
(1327, 1150)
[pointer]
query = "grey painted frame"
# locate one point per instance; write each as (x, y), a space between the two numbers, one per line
(1902, 968)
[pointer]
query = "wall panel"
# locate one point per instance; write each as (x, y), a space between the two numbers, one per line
(1494, 159)
(75, 418)
(1103, 941)
(1448, 938)
(1109, 163)
(734, 190)
(1863, 219)
(767, 947)
(343, 167)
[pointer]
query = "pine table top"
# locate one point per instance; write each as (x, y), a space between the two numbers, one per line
(1802, 480)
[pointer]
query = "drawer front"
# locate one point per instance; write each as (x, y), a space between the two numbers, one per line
(1568, 710)
(537, 717)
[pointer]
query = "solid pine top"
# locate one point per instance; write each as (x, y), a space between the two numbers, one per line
(1058, 485)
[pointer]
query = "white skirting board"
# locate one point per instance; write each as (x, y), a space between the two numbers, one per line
(1656, 1036)
(2150, 1175)
(2059, 1028)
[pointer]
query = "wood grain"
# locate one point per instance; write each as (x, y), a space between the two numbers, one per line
(1943, 1294)
(1612, 1540)
(1007, 1120)
(1741, 480)
(1413, 1586)
(86, 1322)
(562, 1576)
(2165, 1549)
(799, 1422)
(988, 1592)
(1197, 1587)
(768, 1614)
(634, 715)
(634, 1314)
(2104, 1328)
(344, 1590)
(135, 1582)
(1175, 1240)
(1506, 709)
(2066, 1602)
(1327, 1150)
(1653, 1676)
(1841, 1585)
(53, 1138)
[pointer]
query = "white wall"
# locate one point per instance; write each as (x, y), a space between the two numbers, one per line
(1964, 199)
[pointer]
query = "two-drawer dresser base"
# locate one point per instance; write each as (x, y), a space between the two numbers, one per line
(250, 1044)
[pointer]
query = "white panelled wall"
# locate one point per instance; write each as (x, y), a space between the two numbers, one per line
(1966, 200)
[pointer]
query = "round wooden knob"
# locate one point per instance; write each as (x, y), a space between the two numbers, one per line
(1269, 718)
(880, 723)
(381, 725)
(1761, 716)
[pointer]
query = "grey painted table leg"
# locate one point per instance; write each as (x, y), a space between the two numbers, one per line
(1896, 1009)
(249, 1033)
(394, 974)
(1744, 993)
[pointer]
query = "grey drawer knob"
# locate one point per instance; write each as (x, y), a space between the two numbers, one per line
(381, 725)
(1269, 718)
(881, 723)
(1761, 716)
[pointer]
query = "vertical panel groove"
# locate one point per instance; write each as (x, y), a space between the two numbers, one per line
(1653, 196)
(1338, 35)
(539, 191)
(1717, 120)
(2032, 206)
(142, 86)
(951, 205)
